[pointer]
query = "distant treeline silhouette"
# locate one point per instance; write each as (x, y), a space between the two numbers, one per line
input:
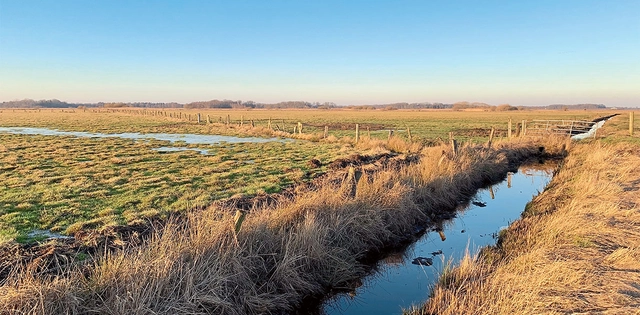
(54, 103)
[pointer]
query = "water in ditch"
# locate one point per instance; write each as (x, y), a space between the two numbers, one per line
(404, 279)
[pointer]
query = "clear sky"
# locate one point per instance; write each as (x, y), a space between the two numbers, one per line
(534, 52)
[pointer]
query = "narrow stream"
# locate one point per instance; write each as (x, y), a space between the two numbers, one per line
(398, 283)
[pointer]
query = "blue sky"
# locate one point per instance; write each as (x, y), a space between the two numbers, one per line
(347, 52)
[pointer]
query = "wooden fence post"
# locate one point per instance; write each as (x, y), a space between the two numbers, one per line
(454, 147)
(509, 127)
(353, 177)
(493, 130)
(228, 119)
(208, 119)
(237, 220)
(326, 132)
(631, 124)
(409, 134)
(454, 144)
(269, 123)
(241, 120)
(368, 132)
(198, 118)
(524, 128)
(357, 133)
(390, 134)
(571, 130)
(299, 128)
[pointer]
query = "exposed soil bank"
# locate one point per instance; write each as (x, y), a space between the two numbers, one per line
(599, 119)
(285, 250)
(576, 249)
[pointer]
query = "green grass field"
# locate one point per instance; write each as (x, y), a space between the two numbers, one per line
(66, 184)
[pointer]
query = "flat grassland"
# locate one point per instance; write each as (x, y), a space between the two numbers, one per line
(316, 239)
(66, 184)
(425, 124)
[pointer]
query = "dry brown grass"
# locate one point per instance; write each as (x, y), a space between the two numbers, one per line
(577, 249)
(300, 246)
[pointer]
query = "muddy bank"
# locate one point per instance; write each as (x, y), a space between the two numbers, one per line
(599, 119)
(283, 252)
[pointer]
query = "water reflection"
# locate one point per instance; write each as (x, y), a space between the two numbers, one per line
(404, 279)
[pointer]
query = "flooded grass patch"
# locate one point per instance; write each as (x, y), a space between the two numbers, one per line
(425, 125)
(65, 184)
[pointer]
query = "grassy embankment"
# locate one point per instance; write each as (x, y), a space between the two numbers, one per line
(299, 246)
(576, 249)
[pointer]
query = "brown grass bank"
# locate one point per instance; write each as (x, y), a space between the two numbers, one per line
(575, 251)
(297, 247)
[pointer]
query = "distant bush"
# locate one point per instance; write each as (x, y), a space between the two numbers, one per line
(115, 105)
(505, 107)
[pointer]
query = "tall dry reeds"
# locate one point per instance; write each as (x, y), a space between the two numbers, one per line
(576, 249)
(300, 246)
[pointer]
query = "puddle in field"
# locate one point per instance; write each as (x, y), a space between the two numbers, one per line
(186, 138)
(404, 279)
(180, 149)
(47, 235)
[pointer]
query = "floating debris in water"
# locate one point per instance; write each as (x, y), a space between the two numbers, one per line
(479, 204)
(423, 261)
(436, 253)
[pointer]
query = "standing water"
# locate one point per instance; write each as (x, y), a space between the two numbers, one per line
(186, 138)
(405, 279)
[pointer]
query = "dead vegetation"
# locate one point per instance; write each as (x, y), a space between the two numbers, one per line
(575, 251)
(286, 250)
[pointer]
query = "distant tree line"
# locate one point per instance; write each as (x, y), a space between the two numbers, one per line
(576, 106)
(394, 106)
(29, 103)
(54, 103)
